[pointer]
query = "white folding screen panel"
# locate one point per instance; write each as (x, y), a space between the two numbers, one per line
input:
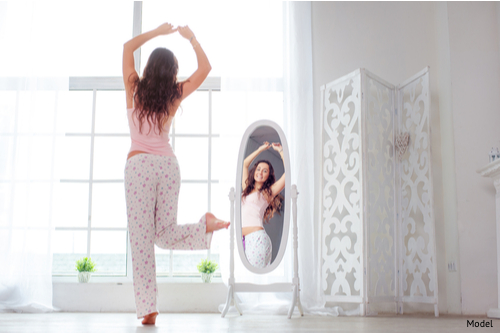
(416, 215)
(379, 189)
(342, 227)
(377, 219)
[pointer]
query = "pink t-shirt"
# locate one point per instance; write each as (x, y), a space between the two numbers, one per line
(149, 140)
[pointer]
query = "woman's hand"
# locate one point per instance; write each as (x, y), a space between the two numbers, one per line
(277, 147)
(265, 146)
(166, 29)
(185, 32)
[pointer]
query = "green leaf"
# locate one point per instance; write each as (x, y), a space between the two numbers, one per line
(85, 264)
(207, 266)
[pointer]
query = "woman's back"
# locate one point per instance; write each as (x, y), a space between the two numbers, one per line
(147, 139)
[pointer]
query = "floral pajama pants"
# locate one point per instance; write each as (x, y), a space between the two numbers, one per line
(152, 184)
(258, 249)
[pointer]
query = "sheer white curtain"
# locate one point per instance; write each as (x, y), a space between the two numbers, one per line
(297, 124)
(298, 119)
(29, 96)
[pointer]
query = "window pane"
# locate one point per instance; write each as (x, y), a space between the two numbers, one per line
(7, 111)
(68, 246)
(193, 203)
(186, 261)
(192, 116)
(110, 156)
(162, 261)
(109, 206)
(34, 210)
(266, 105)
(192, 154)
(74, 114)
(72, 157)
(258, 46)
(108, 251)
(225, 157)
(38, 33)
(6, 150)
(251, 106)
(5, 203)
(229, 113)
(220, 200)
(220, 208)
(36, 111)
(111, 112)
(70, 205)
(33, 157)
(94, 39)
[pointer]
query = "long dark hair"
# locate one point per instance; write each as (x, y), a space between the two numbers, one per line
(158, 89)
(276, 203)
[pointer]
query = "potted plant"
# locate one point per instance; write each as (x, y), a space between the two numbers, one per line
(207, 269)
(85, 268)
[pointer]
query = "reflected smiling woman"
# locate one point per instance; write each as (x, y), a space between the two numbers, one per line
(260, 199)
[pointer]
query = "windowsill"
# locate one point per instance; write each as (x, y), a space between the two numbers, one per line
(126, 280)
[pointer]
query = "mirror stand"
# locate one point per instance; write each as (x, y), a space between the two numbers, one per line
(293, 286)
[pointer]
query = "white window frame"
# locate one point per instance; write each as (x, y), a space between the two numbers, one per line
(96, 84)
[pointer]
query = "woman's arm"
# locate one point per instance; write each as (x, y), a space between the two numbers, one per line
(249, 159)
(197, 78)
(279, 185)
(128, 68)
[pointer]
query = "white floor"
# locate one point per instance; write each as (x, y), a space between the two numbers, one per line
(127, 322)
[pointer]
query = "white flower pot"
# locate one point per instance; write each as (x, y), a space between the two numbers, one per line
(206, 277)
(84, 277)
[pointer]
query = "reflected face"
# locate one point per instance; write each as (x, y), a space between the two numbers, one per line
(261, 173)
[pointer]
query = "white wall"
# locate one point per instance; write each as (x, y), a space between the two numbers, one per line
(459, 41)
(475, 92)
(119, 297)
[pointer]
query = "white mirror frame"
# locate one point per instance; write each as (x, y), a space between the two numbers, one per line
(290, 195)
(288, 185)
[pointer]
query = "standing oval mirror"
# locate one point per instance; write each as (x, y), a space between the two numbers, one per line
(262, 197)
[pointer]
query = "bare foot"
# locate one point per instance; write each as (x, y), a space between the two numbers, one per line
(214, 224)
(150, 319)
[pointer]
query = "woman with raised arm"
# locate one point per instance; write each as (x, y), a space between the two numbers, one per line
(152, 176)
(260, 199)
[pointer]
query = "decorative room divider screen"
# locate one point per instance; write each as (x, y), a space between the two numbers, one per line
(377, 234)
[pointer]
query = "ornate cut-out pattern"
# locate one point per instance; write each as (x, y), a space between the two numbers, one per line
(417, 224)
(342, 229)
(402, 141)
(368, 191)
(380, 188)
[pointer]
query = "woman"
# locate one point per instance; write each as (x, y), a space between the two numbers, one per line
(152, 176)
(260, 199)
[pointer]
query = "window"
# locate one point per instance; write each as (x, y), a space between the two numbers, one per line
(91, 214)
(89, 201)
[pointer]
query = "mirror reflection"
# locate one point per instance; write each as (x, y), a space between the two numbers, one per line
(263, 180)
